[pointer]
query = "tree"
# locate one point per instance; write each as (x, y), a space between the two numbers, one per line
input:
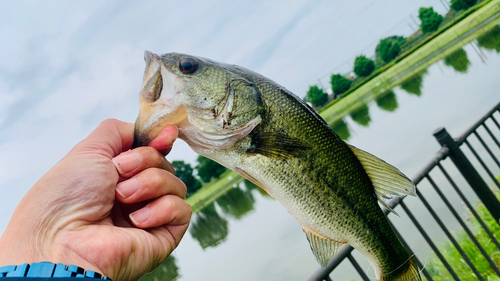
(458, 5)
(236, 202)
(208, 227)
(341, 129)
(208, 169)
(317, 96)
(339, 83)
(168, 270)
(363, 66)
(413, 85)
(389, 48)
(458, 60)
(387, 101)
(184, 171)
(430, 20)
(361, 116)
(490, 40)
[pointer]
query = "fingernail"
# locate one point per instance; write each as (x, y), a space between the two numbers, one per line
(128, 187)
(127, 162)
(140, 216)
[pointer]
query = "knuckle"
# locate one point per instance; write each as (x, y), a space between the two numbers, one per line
(157, 177)
(156, 157)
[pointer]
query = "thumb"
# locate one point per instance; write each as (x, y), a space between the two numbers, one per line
(110, 138)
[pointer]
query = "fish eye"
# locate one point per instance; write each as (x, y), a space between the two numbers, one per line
(188, 65)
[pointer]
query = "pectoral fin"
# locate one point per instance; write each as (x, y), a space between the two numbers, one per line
(323, 247)
(275, 145)
(254, 180)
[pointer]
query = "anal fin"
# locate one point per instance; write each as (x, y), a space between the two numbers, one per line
(323, 247)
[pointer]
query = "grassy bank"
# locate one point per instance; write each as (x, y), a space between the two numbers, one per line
(433, 50)
(439, 272)
(436, 48)
(213, 190)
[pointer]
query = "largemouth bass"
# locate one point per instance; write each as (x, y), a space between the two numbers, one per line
(268, 135)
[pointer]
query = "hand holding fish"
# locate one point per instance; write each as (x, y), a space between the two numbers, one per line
(103, 207)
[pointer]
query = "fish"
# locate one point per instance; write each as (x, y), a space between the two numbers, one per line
(259, 129)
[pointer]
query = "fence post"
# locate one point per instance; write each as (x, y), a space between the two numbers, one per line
(469, 173)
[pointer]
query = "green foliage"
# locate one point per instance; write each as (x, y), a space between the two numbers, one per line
(236, 202)
(184, 171)
(317, 96)
(208, 169)
(361, 116)
(208, 228)
(339, 83)
(387, 101)
(491, 40)
(389, 48)
(458, 5)
(341, 129)
(430, 20)
(439, 272)
(167, 271)
(363, 66)
(413, 85)
(458, 60)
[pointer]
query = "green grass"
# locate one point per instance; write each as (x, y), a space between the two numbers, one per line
(439, 272)
(415, 59)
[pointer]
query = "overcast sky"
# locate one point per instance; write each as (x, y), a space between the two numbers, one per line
(67, 65)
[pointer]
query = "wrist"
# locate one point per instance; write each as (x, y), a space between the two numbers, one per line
(18, 251)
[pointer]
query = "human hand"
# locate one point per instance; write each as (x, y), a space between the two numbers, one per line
(102, 207)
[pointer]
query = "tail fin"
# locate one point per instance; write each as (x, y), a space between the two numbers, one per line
(408, 272)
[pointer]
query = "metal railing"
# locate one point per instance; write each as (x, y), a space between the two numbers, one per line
(480, 142)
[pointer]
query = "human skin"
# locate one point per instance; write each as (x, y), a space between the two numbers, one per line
(103, 207)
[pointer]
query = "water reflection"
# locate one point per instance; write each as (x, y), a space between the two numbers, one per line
(341, 129)
(413, 85)
(361, 116)
(490, 40)
(236, 202)
(167, 271)
(208, 227)
(458, 60)
(388, 101)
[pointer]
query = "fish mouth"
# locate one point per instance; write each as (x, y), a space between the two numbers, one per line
(157, 100)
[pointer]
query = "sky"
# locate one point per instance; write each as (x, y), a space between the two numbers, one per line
(65, 66)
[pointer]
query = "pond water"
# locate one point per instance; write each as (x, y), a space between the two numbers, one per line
(246, 235)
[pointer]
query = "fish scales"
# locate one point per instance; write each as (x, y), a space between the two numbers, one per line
(256, 127)
(346, 191)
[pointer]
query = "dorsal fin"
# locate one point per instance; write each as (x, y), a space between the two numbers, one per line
(323, 247)
(387, 179)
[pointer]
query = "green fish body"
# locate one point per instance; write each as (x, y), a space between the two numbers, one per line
(262, 131)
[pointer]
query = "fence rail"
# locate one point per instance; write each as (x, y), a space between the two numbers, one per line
(476, 157)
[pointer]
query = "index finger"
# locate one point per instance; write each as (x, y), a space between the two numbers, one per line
(164, 141)
(134, 161)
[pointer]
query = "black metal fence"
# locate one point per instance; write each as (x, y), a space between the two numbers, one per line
(462, 167)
